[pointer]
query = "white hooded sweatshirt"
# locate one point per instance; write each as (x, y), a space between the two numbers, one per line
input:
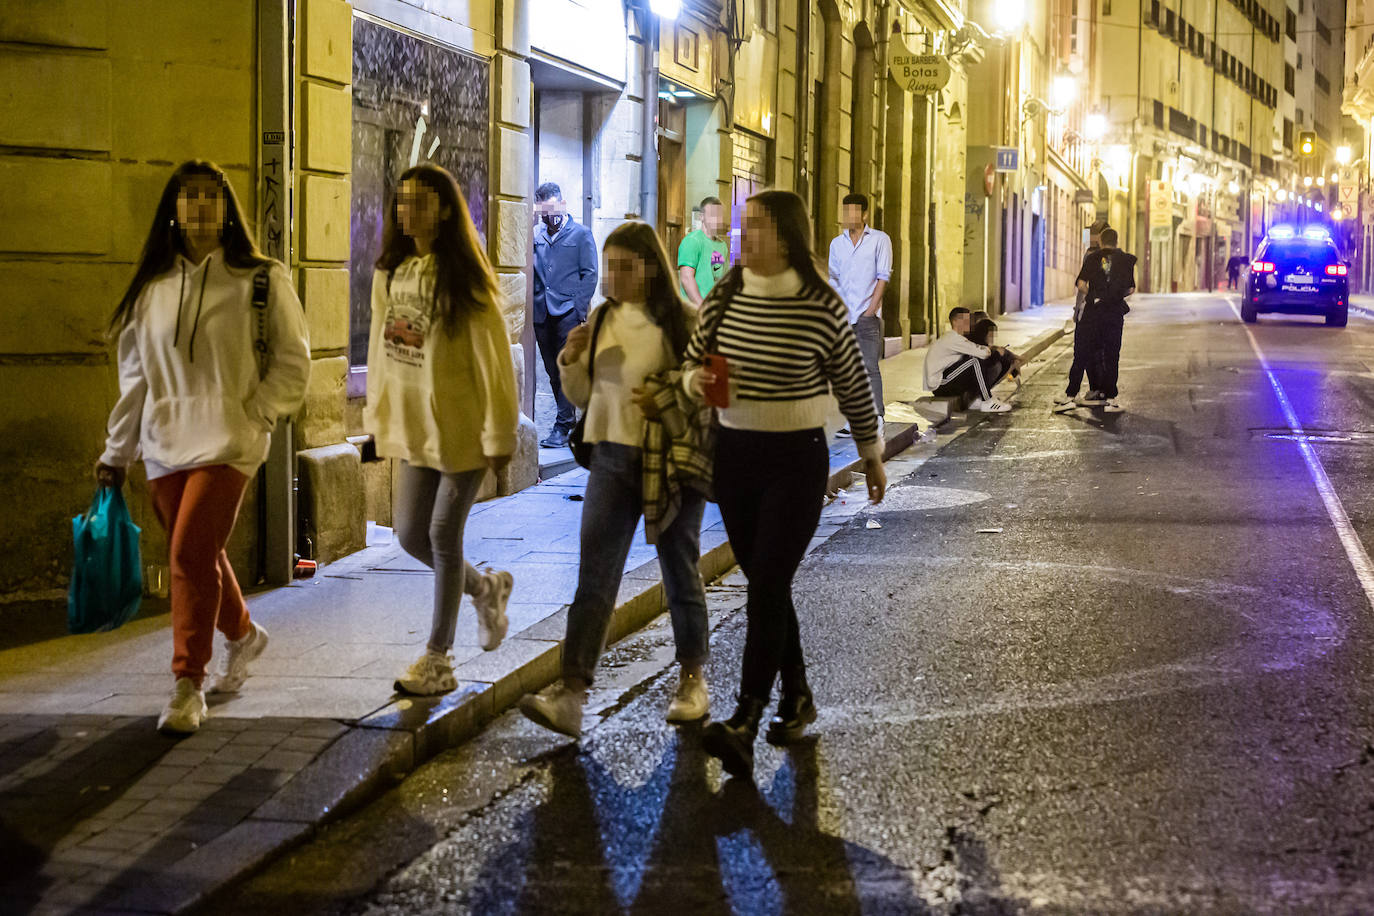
(188, 375)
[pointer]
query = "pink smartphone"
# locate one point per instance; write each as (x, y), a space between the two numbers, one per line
(717, 394)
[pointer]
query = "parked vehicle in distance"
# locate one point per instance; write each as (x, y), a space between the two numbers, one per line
(1298, 274)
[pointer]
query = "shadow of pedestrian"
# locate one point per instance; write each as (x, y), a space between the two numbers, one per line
(40, 808)
(772, 865)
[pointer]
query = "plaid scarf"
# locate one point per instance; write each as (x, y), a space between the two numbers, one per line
(679, 446)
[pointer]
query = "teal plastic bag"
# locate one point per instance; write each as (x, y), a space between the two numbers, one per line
(107, 576)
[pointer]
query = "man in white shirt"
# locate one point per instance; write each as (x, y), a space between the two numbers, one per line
(860, 267)
(956, 366)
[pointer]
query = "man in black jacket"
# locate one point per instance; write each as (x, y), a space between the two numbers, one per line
(1107, 278)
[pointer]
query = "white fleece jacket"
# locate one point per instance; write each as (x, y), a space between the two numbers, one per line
(437, 399)
(188, 376)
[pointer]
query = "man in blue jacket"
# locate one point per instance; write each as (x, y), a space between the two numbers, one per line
(564, 282)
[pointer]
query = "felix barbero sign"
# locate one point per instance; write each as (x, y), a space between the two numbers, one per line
(920, 74)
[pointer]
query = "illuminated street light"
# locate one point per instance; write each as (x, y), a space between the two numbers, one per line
(666, 9)
(1095, 126)
(1343, 155)
(1063, 92)
(1338, 214)
(1307, 182)
(1321, 181)
(1118, 160)
(1008, 15)
(1280, 195)
(1335, 177)
(1233, 187)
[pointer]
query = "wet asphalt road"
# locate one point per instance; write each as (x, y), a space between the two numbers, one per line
(1088, 664)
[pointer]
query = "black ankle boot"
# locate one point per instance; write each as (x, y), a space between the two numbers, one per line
(732, 741)
(796, 710)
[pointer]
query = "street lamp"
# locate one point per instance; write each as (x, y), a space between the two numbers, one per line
(666, 9)
(1063, 91)
(1095, 126)
(1280, 195)
(1008, 15)
(1233, 186)
(1343, 155)
(1307, 181)
(1321, 181)
(1338, 214)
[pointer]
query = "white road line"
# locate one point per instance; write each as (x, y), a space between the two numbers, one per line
(1354, 549)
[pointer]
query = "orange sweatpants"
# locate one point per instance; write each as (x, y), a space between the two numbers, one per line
(198, 508)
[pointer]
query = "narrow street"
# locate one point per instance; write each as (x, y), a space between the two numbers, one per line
(1087, 664)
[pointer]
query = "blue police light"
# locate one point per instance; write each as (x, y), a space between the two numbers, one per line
(1281, 232)
(1317, 233)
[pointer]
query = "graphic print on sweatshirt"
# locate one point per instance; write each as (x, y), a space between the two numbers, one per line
(409, 315)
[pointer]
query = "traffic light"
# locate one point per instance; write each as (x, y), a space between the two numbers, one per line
(1307, 142)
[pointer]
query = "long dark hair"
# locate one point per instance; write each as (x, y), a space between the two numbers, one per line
(464, 283)
(165, 240)
(661, 297)
(788, 212)
(981, 330)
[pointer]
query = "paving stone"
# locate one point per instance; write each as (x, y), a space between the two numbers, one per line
(234, 753)
(349, 770)
(304, 744)
(165, 776)
(289, 761)
(216, 773)
(171, 807)
(114, 839)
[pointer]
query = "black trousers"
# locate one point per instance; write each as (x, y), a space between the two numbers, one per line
(973, 376)
(551, 335)
(1101, 329)
(1081, 356)
(770, 487)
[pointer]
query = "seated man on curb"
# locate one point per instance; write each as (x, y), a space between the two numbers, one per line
(958, 367)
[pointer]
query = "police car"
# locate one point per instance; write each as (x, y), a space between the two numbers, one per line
(1300, 273)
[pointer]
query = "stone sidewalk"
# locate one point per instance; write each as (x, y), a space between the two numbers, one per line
(100, 813)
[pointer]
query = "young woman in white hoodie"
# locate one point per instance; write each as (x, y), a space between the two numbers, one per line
(203, 377)
(441, 398)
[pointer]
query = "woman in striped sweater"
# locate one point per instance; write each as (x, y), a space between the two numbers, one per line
(786, 340)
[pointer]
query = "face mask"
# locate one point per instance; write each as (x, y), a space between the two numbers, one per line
(553, 221)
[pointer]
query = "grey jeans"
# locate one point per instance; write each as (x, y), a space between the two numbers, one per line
(611, 509)
(431, 511)
(869, 330)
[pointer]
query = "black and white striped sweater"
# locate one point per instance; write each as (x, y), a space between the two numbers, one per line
(788, 345)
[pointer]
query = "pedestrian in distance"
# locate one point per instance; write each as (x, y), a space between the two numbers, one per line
(1068, 400)
(703, 257)
(1233, 268)
(441, 399)
(860, 268)
(213, 350)
(609, 367)
(565, 273)
(956, 367)
(773, 341)
(1108, 278)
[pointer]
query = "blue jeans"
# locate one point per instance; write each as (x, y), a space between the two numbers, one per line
(612, 506)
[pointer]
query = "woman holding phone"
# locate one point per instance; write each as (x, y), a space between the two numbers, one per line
(773, 342)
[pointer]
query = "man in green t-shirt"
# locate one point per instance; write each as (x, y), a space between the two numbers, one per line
(704, 256)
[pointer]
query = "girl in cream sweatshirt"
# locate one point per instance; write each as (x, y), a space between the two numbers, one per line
(197, 404)
(441, 398)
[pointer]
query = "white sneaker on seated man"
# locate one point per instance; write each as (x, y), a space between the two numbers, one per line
(957, 367)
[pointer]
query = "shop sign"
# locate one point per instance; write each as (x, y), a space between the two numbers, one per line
(1161, 211)
(920, 74)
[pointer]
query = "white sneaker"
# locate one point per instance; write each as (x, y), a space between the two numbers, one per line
(1113, 406)
(989, 405)
(492, 622)
(1092, 399)
(559, 711)
(233, 664)
(1063, 398)
(691, 703)
(431, 675)
(184, 711)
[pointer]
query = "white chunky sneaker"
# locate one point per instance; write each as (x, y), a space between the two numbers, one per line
(560, 710)
(233, 664)
(430, 675)
(1093, 399)
(492, 622)
(989, 405)
(1113, 406)
(691, 703)
(183, 712)
(1062, 398)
